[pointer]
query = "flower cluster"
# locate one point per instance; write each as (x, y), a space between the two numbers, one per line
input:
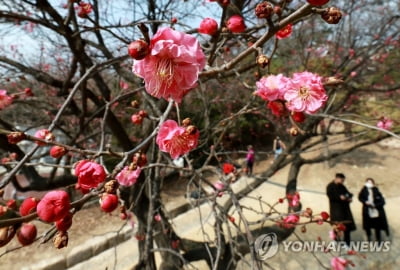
(304, 92)
(172, 66)
(177, 140)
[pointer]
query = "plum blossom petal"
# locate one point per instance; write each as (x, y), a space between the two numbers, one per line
(173, 65)
(128, 177)
(177, 140)
(53, 206)
(305, 93)
(271, 88)
(90, 174)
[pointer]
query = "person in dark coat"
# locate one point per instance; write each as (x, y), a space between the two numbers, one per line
(373, 214)
(339, 204)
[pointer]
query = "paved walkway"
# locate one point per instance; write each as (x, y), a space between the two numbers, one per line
(119, 251)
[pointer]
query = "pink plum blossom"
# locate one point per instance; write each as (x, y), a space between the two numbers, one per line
(385, 123)
(173, 65)
(177, 140)
(338, 263)
(305, 93)
(5, 100)
(128, 177)
(271, 88)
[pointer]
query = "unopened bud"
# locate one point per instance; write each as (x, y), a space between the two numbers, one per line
(15, 137)
(332, 15)
(111, 186)
(264, 10)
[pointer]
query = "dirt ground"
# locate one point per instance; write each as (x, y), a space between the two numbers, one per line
(379, 161)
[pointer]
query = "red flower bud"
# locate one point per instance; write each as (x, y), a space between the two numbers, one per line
(65, 223)
(208, 26)
(324, 215)
(317, 2)
(138, 49)
(15, 137)
(236, 24)
(27, 234)
(298, 117)
(28, 206)
(108, 202)
(12, 204)
(58, 151)
(264, 10)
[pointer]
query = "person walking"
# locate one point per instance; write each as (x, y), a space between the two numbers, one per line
(250, 160)
(278, 147)
(339, 205)
(373, 213)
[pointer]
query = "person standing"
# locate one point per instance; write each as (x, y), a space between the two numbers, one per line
(373, 214)
(278, 147)
(250, 160)
(339, 205)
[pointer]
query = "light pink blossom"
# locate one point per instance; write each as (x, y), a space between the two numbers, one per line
(177, 140)
(385, 123)
(305, 93)
(271, 88)
(5, 100)
(128, 177)
(332, 235)
(173, 65)
(338, 263)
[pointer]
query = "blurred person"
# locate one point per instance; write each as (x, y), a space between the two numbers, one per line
(278, 147)
(373, 214)
(250, 160)
(339, 205)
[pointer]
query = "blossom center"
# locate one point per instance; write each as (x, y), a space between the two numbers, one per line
(164, 73)
(304, 92)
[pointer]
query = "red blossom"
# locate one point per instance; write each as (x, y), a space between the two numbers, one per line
(28, 206)
(58, 151)
(177, 140)
(65, 223)
(90, 174)
(44, 134)
(27, 234)
(84, 9)
(228, 168)
(324, 215)
(277, 108)
(53, 206)
(317, 2)
(108, 202)
(208, 26)
(236, 24)
(285, 32)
